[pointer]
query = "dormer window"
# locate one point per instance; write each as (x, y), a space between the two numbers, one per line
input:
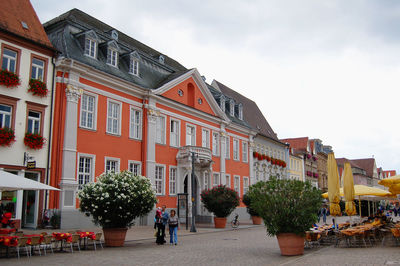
(222, 103)
(134, 66)
(232, 107)
(112, 57)
(90, 47)
(240, 111)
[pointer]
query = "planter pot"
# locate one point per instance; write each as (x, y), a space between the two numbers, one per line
(219, 222)
(114, 237)
(291, 244)
(256, 219)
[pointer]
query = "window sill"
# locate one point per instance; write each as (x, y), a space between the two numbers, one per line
(88, 129)
(135, 139)
(113, 134)
(162, 144)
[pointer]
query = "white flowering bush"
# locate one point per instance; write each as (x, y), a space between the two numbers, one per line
(116, 199)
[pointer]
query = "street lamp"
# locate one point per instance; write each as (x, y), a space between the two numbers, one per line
(193, 226)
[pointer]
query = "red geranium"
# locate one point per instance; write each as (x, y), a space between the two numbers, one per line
(9, 79)
(259, 156)
(37, 87)
(34, 141)
(268, 158)
(255, 154)
(7, 136)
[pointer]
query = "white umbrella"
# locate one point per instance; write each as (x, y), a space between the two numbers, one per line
(9, 182)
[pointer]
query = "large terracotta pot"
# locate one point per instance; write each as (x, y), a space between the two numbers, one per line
(290, 244)
(256, 219)
(219, 222)
(114, 237)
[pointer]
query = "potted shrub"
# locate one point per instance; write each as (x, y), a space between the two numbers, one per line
(255, 217)
(222, 201)
(7, 136)
(114, 201)
(288, 208)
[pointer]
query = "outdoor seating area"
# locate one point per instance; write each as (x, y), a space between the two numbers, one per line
(15, 243)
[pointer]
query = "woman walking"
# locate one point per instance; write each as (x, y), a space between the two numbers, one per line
(158, 223)
(173, 223)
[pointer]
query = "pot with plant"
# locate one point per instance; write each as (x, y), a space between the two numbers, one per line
(114, 201)
(255, 217)
(288, 208)
(222, 201)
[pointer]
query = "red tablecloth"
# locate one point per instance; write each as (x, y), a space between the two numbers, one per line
(9, 241)
(61, 236)
(6, 231)
(90, 235)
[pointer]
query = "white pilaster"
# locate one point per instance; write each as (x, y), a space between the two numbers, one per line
(152, 115)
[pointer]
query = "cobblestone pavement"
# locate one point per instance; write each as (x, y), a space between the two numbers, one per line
(246, 246)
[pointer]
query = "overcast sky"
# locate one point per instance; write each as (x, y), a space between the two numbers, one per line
(322, 69)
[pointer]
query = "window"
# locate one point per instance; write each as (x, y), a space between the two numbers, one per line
(236, 149)
(206, 180)
(236, 184)
(85, 170)
(112, 165)
(245, 185)
(88, 118)
(245, 152)
(172, 181)
(37, 70)
(228, 180)
(135, 167)
(112, 56)
(9, 60)
(34, 122)
(134, 67)
(135, 130)
(216, 180)
(159, 180)
(90, 47)
(205, 138)
(113, 118)
(5, 115)
(160, 130)
(232, 108)
(240, 111)
(174, 133)
(190, 135)
(222, 103)
(215, 144)
(227, 148)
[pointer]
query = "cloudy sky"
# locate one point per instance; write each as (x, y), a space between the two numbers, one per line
(317, 68)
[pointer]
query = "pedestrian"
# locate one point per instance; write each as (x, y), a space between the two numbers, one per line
(324, 212)
(158, 226)
(173, 224)
(164, 216)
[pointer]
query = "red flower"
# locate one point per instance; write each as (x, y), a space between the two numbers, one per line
(34, 141)
(7, 136)
(268, 158)
(9, 79)
(37, 87)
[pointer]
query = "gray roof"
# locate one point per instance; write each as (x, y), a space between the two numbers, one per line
(65, 30)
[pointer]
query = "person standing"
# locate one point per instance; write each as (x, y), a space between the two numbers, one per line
(158, 227)
(324, 212)
(173, 223)
(164, 217)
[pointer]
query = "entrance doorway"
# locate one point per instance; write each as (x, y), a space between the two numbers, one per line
(30, 204)
(185, 190)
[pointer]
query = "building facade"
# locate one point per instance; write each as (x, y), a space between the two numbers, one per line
(26, 52)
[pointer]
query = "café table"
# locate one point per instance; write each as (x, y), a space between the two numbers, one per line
(8, 241)
(85, 236)
(62, 238)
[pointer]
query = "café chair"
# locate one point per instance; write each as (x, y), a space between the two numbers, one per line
(74, 240)
(47, 243)
(35, 242)
(22, 243)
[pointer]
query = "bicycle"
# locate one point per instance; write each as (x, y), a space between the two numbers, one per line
(235, 222)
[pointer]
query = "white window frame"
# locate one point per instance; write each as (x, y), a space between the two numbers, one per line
(160, 129)
(35, 121)
(194, 135)
(91, 49)
(135, 126)
(173, 182)
(207, 180)
(245, 152)
(205, 138)
(227, 147)
(119, 118)
(246, 184)
(6, 114)
(114, 160)
(9, 59)
(232, 107)
(112, 57)
(216, 144)
(218, 179)
(39, 68)
(133, 163)
(174, 136)
(92, 169)
(228, 178)
(240, 111)
(94, 113)
(134, 66)
(236, 150)
(236, 185)
(162, 179)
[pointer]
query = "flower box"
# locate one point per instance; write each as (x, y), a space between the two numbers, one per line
(255, 154)
(9, 79)
(268, 158)
(7, 136)
(37, 87)
(34, 141)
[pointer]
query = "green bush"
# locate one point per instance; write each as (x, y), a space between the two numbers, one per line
(247, 201)
(220, 200)
(286, 206)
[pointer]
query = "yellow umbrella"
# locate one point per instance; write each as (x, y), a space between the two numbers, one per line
(333, 185)
(348, 189)
(393, 183)
(361, 190)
